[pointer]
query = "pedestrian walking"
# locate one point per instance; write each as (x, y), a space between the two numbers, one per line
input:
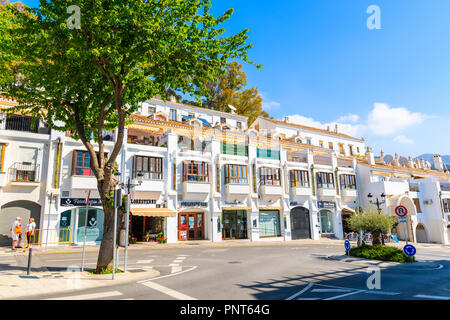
(30, 230)
(16, 233)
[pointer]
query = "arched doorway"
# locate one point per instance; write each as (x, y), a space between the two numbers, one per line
(300, 223)
(9, 212)
(326, 228)
(347, 213)
(421, 234)
(407, 202)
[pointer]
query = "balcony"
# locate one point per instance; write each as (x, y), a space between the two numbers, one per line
(24, 174)
(297, 192)
(237, 192)
(270, 192)
(325, 192)
(25, 124)
(196, 191)
(83, 182)
(348, 194)
(151, 188)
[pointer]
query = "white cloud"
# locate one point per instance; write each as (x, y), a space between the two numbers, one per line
(383, 120)
(270, 105)
(404, 140)
(348, 118)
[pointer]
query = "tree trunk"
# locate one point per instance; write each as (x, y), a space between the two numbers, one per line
(376, 238)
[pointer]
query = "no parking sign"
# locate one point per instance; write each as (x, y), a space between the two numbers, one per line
(401, 211)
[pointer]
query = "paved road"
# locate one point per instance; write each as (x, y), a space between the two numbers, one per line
(261, 273)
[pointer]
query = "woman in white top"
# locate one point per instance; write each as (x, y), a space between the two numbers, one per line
(30, 231)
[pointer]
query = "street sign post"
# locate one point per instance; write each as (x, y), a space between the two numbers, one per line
(402, 212)
(410, 251)
(347, 246)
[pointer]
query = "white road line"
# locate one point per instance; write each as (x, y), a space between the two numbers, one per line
(330, 290)
(89, 296)
(177, 261)
(345, 295)
(168, 291)
(145, 261)
(168, 275)
(174, 265)
(431, 297)
(181, 258)
(176, 269)
(300, 292)
(127, 299)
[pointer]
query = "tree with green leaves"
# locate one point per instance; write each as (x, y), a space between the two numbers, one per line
(372, 221)
(90, 79)
(229, 89)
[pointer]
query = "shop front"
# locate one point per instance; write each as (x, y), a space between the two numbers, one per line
(75, 219)
(191, 226)
(148, 224)
(234, 224)
(269, 223)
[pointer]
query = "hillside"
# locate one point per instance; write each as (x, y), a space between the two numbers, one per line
(429, 157)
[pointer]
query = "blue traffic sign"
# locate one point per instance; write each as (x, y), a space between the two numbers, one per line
(347, 245)
(410, 250)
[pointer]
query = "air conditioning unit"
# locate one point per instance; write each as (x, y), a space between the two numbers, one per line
(428, 202)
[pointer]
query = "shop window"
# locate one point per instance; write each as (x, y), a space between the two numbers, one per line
(194, 171)
(269, 224)
(269, 176)
(150, 167)
(94, 226)
(236, 174)
(325, 180)
(299, 178)
(326, 222)
(348, 181)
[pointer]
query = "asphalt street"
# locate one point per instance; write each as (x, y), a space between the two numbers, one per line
(301, 272)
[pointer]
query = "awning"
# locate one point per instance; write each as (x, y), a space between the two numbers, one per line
(152, 212)
(381, 173)
(348, 210)
(401, 175)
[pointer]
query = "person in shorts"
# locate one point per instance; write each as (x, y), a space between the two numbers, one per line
(16, 233)
(30, 229)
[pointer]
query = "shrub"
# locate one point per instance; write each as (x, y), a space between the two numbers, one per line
(380, 252)
(373, 222)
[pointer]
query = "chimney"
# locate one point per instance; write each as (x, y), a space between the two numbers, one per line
(381, 154)
(336, 128)
(286, 119)
(422, 163)
(438, 165)
(370, 156)
(417, 164)
(395, 162)
(410, 163)
(328, 128)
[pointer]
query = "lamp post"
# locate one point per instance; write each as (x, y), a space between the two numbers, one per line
(129, 186)
(378, 203)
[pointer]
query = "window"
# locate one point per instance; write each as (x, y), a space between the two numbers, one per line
(223, 120)
(325, 180)
(341, 148)
(194, 171)
(308, 141)
(446, 205)
(236, 174)
(321, 143)
(151, 167)
(239, 125)
(351, 149)
(299, 178)
(269, 176)
(151, 110)
(2, 156)
(173, 114)
(348, 181)
(330, 145)
(357, 149)
(417, 204)
(81, 164)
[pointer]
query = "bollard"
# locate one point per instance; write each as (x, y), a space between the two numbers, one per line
(30, 254)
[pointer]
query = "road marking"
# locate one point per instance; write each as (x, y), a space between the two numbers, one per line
(127, 299)
(174, 265)
(300, 292)
(7, 261)
(345, 295)
(89, 296)
(71, 260)
(145, 261)
(181, 258)
(177, 261)
(330, 290)
(176, 269)
(168, 291)
(431, 297)
(168, 275)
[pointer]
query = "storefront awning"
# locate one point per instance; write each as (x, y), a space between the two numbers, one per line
(152, 212)
(381, 173)
(271, 208)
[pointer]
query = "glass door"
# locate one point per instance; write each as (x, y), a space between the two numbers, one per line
(229, 225)
(191, 226)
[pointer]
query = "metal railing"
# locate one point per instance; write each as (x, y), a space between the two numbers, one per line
(48, 236)
(24, 172)
(23, 123)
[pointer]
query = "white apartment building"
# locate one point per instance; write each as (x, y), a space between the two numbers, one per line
(200, 174)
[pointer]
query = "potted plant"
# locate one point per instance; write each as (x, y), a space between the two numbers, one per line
(132, 239)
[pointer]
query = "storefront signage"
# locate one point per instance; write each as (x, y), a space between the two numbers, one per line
(143, 201)
(295, 203)
(326, 205)
(194, 204)
(80, 202)
(234, 203)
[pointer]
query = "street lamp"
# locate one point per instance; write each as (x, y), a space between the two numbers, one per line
(128, 187)
(378, 203)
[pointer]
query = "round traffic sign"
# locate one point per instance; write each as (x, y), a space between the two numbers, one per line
(347, 245)
(401, 211)
(410, 250)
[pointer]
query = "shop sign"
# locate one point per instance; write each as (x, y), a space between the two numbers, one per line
(295, 203)
(326, 205)
(80, 202)
(194, 204)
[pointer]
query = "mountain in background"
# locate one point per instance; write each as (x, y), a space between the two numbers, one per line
(429, 157)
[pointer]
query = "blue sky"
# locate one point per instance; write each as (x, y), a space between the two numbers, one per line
(322, 65)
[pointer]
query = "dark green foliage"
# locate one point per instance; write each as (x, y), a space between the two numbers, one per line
(380, 252)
